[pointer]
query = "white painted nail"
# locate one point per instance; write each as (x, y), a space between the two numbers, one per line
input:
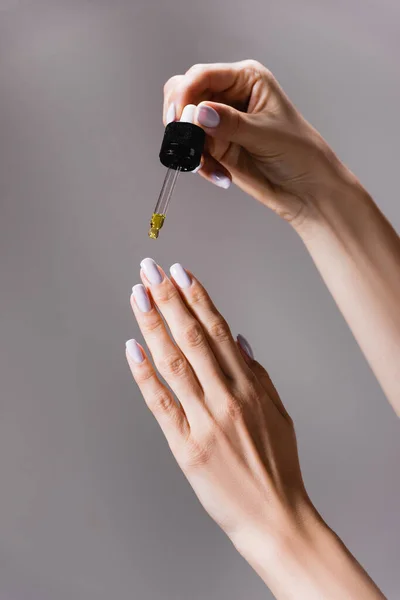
(141, 297)
(180, 275)
(134, 351)
(244, 344)
(221, 180)
(170, 114)
(188, 113)
(197, 169)
(208, 116)
(151, 270)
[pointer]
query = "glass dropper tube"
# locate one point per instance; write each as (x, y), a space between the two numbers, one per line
(181, 150)
(160, 211)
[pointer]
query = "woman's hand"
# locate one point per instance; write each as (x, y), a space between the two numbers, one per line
(256, 137)
(233, 439)
(230, 434)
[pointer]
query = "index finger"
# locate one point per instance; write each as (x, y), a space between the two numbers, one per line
(224, 82)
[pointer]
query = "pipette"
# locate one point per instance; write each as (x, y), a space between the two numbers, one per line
(181, 150)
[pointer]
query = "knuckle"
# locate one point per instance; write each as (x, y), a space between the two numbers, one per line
(265, 71)
(220, 331)
(161, 402)
(198, 451)
(172, 365)
(199, 296)
(253, 64)
(233, 407)
(257, 67)
(152, 325)
(144, 375)
(165, 294)
(269, 77)
(193, 335)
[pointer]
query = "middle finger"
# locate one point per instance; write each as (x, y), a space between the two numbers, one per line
(185, 328)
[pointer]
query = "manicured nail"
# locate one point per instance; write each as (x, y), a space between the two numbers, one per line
(134, 351)
(207, 116)
(170, 114)
(188, 113)
(141, 298)
(180, 275)
(151, 270)
(221, 180)
(197, 169)
(244, 344)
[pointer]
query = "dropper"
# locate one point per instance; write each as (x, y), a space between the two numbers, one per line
(181, 150)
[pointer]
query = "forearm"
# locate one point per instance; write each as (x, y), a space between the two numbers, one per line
(307, 562)
(357, 252)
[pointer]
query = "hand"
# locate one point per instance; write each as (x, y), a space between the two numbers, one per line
(234, 440)
(256, 137)
(229, 432)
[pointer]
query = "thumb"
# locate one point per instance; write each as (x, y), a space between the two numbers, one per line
(259, 135)
(226, 123)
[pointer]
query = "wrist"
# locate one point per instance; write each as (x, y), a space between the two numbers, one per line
(302, 558)
(336, 207)
(274, 549)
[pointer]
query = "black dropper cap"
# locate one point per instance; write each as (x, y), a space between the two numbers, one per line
(182, 146)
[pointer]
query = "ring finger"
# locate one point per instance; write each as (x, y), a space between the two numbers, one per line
(218, 331)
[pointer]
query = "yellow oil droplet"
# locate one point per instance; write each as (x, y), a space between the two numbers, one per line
(157, 221)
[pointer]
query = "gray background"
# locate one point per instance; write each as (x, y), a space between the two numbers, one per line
(92, 505)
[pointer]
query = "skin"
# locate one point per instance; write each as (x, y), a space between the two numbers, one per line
(230, 432)
(273, 154)
(236, 444)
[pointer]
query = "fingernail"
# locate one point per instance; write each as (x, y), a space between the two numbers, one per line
(151, 270)
(197, 169)
(244, 344)
(188, 113)
(180, 275)
(134, 351)
(141, 298)
(221, 180)
(170, 113)
(207, 116)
